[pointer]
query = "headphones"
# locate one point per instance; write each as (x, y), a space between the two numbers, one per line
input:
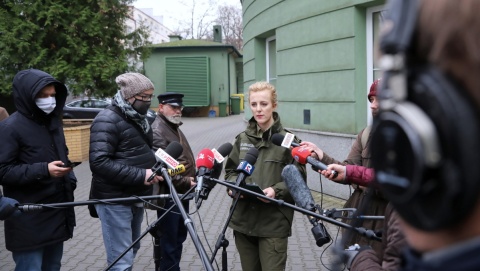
(425, 141)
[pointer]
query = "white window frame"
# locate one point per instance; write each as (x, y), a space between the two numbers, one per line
(267, 58)
(370, 53)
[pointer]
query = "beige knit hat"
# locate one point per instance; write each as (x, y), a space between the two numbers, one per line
(131, 84)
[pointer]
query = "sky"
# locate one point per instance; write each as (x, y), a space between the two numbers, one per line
(174, 11)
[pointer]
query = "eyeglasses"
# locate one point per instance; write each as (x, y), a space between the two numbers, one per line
(145, 98)
(174, 107)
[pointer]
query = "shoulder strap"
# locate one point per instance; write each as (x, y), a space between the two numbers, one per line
(366, 133)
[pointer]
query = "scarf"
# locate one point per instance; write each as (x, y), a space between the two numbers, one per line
(131, 113)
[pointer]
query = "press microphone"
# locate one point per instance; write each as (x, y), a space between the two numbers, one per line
(166, 157)
(204, 162)
(245, 168)
(177, 170)
(220, 154)
(215, 172)
(303, 198)
(284, 140)
(303, 156)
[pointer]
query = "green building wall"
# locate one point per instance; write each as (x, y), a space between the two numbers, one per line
(321, 59)
(321, 64)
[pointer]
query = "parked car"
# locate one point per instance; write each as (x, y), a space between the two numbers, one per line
(88, 108)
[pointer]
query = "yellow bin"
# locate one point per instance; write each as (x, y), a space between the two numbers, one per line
(241, 100)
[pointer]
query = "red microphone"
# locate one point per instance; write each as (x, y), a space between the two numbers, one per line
(303, 156)
(205, 161)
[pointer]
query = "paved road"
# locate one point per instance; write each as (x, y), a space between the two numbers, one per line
(85, 250)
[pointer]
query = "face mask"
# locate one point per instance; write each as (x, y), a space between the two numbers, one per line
(47, 105)
(141, 106)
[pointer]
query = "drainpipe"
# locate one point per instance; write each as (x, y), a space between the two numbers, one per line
(228, 73)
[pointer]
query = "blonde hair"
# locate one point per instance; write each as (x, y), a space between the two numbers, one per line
(262, 85)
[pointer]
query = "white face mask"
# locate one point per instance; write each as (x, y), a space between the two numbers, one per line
(47, 105)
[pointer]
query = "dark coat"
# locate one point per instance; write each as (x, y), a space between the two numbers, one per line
(458, 257)
(120, 153)
(30, 140)
(393, 243)
(376, 203)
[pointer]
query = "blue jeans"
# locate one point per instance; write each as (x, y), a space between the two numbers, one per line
(48, 258)
(121, 225)
(173, 234)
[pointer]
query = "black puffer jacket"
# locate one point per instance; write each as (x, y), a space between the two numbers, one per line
(30, 139)
(120, 153)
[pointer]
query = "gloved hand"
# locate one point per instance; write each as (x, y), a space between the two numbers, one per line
(8, 206)
(350, 254)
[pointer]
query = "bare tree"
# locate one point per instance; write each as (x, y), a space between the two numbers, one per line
(230, 18)
(199, 21)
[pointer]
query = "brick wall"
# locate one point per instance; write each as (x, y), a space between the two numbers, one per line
(78, 142)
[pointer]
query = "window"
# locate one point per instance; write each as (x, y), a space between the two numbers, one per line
(271, 53)
(374, 21)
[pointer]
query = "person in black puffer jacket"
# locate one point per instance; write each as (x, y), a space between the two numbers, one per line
(121, 160)
(33, 153)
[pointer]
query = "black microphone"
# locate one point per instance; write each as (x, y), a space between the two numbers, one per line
(245, 168)
(167, 157)
(303, 198)
(278, 139)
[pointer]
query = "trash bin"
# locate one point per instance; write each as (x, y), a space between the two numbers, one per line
(222, 109)
(235, 104)
(241, 100)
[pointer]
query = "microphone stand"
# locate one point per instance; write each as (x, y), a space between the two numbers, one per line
(187, 196)
(188, 222)
(36, 207)
(367, 233)
(222, 241)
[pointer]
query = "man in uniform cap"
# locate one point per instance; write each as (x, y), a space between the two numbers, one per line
(171, 231)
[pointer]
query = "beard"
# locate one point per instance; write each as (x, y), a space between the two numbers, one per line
(175, 119)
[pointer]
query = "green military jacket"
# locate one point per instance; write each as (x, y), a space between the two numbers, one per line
(252, 216)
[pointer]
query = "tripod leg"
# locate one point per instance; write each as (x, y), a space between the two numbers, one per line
(157, 256)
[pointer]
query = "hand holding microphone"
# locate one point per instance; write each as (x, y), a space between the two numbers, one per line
(302, 152)
(303, 156)
(340, 171)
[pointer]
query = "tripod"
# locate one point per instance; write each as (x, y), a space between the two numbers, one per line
(222, 241)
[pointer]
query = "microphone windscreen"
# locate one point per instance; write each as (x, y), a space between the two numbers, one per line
(251, 156)
(205, 158)
(277, 139)
(225, 149)
(174, 149)
(298, 188)
(300, 155)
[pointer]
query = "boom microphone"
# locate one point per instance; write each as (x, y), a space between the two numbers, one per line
(245, 168)
(303, 198)
(167, 157)
(303, 156)
(204, 162)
